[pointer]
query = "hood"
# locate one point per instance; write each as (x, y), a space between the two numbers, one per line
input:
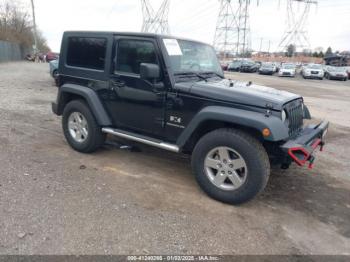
(314, 69)
(338, 73)
(239, 92)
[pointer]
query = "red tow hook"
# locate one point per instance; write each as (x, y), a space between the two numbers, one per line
(301, 155)
(321, 146)
(311, 162)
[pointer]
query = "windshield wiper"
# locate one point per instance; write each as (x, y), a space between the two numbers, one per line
(192, 74)
(212, 72)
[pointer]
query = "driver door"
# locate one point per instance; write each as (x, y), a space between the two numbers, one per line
(139, 103)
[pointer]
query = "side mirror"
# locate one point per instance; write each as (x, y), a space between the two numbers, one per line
(149, 71)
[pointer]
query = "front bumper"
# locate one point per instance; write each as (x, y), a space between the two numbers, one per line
(301, 149)
(337, 77)
(281, 73)
(248, 69)
(266, 72)
(313, 75)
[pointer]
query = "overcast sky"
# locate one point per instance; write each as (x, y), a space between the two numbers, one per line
(328, 24)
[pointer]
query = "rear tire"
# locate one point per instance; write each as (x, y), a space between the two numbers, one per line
(244, 173)
(80, 127)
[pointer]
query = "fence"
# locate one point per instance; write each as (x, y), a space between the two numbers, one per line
(10, 51)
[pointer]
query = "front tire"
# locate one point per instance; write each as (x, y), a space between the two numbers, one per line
(230, 165)
(80, 127)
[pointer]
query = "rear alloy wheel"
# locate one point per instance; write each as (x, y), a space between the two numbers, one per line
(230, 166)
(80, 127)
(55, 74)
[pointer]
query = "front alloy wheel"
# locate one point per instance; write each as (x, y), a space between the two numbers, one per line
(230, 165)
(225, 168)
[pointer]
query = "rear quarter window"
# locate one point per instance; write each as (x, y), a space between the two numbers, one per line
(87, 52)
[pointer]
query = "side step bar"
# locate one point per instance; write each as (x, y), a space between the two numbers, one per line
(141, 139)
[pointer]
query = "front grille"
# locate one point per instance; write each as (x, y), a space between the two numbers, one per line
(295, 116)
(314, 72)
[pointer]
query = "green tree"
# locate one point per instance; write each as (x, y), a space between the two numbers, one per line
(16, 26)
(291, 50)
(328, 51)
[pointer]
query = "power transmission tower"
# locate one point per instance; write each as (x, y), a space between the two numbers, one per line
(226, 32)
(155, 22)
(232, 34)
(244, 26)
(297, 16)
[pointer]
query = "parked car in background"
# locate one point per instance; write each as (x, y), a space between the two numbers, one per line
(336, 73)
(50, 56)
(287, 69)
(30, 57)
(267, 69)
(248, 66)
(235, 66)
(277, 65)
(348, 71)
(54, 70)
(224, 66)
(312, 71)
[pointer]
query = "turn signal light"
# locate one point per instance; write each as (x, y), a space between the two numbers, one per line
(266, 132)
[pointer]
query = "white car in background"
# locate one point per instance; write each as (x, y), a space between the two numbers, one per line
(336, 73)
(313, 71)
(287, 69)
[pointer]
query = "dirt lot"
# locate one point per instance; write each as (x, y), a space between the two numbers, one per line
(54, 200)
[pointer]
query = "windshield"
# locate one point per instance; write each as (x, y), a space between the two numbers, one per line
(235, 63)
(267, 65)
(192, 57)
(249, 63)
(315, 66)
(288, 66)
(336, 69)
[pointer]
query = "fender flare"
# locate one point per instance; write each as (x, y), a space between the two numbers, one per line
(250, 119)
(90, 97)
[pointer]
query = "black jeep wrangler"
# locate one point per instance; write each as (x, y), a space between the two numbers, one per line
(171, 93)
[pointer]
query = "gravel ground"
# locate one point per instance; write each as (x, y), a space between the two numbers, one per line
(54, 200)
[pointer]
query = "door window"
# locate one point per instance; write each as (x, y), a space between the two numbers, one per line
(131, 53)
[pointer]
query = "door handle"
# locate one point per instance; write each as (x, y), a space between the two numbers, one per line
(117, 83)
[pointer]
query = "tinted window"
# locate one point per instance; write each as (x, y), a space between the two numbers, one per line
(131, 53)
(87, 52)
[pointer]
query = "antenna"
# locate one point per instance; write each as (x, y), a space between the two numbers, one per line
(155, 22)
(296, 33)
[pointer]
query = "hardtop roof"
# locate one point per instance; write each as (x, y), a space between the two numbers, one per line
(139, 34)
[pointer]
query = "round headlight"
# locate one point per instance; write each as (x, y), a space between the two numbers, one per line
(284, 116)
